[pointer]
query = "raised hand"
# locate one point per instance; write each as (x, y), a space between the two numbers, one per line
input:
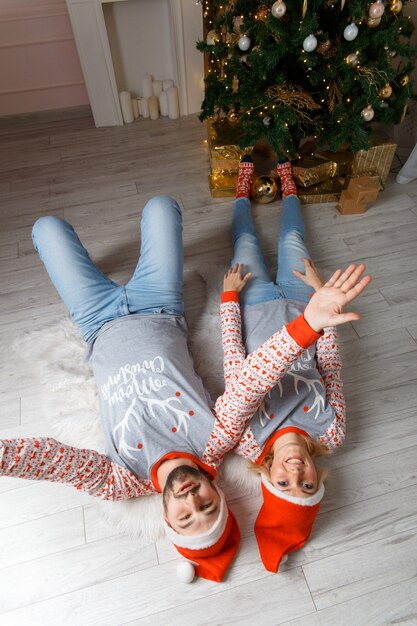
(326, 305)
(234, 280)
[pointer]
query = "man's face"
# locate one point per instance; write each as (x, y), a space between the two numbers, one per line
(191, 502)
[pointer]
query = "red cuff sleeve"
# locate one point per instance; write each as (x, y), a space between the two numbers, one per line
(229, 296)
(302, 333)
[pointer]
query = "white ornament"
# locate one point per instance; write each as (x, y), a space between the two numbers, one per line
(185, 572)
(244, 43)
(278, 9)
(310, 43)
(368, 113)
(351, 32)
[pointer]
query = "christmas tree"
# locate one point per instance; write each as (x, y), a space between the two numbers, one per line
(321, 69)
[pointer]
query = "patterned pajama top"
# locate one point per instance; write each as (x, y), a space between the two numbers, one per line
(154, 406)
(308, 398)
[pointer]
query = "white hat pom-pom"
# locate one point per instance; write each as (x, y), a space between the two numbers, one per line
(185, 572)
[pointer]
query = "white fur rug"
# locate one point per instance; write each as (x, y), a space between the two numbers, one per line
(70, 404)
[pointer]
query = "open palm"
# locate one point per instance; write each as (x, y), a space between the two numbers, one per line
(326, 307)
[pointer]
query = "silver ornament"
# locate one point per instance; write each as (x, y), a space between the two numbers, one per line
(244, 43)
(310, 43)
(368, 113)
(351, 32)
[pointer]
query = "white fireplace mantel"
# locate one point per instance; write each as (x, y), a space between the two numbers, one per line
(94, 50)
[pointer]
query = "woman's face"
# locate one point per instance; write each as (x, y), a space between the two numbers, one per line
(293, 470)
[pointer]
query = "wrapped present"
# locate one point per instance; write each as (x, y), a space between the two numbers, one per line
(343, 160)
(312, 170)
(222, 183)
(327, 191)
(375, 161)
(223, 141)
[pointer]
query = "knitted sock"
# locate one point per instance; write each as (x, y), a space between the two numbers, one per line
(246, 169)
(285, 174)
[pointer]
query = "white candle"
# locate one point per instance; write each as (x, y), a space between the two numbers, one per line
(146, 83)
(126, 106)
(167, 84)
(157, 87)
(163, 103)
(135, 108)
(153, 107)
(144, 108)
(173, 105)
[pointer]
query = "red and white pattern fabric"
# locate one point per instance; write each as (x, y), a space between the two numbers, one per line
(288, 185)
(44, 458)
(246, 169)
(248, 380)
(328, 364)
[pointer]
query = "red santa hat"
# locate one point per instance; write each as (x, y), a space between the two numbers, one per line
(284, 523)
(208, 555)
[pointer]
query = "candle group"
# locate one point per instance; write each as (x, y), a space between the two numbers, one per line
(158, 97)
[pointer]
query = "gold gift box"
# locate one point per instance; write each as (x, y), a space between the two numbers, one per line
(312, 170)
(327, 191)
(222, 184)
(342, 159)
(223, 140)
(317, 176)
(375, 161)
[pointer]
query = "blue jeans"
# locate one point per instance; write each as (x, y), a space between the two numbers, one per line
(291, 248)
(91, 297)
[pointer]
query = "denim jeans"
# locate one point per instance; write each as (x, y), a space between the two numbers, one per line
(91, 297)
(291, 248)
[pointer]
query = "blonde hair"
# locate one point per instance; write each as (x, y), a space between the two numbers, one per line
(316, 449)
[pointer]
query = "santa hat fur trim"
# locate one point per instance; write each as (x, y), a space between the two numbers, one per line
(308, 501)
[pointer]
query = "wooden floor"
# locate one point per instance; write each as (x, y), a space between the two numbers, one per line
(59, 563)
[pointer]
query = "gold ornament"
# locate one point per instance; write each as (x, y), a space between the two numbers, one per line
(396, 7)
(233, 116)
(264, 189)
(212, 38)
(385, 92)
(294, 97)
(324, 46)
(335, 96)
(278, 9)
(262, 13)
(304, 10)
(235, 84)
(405, 80)
(373, 22)
(376, 9)
(352, 59)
